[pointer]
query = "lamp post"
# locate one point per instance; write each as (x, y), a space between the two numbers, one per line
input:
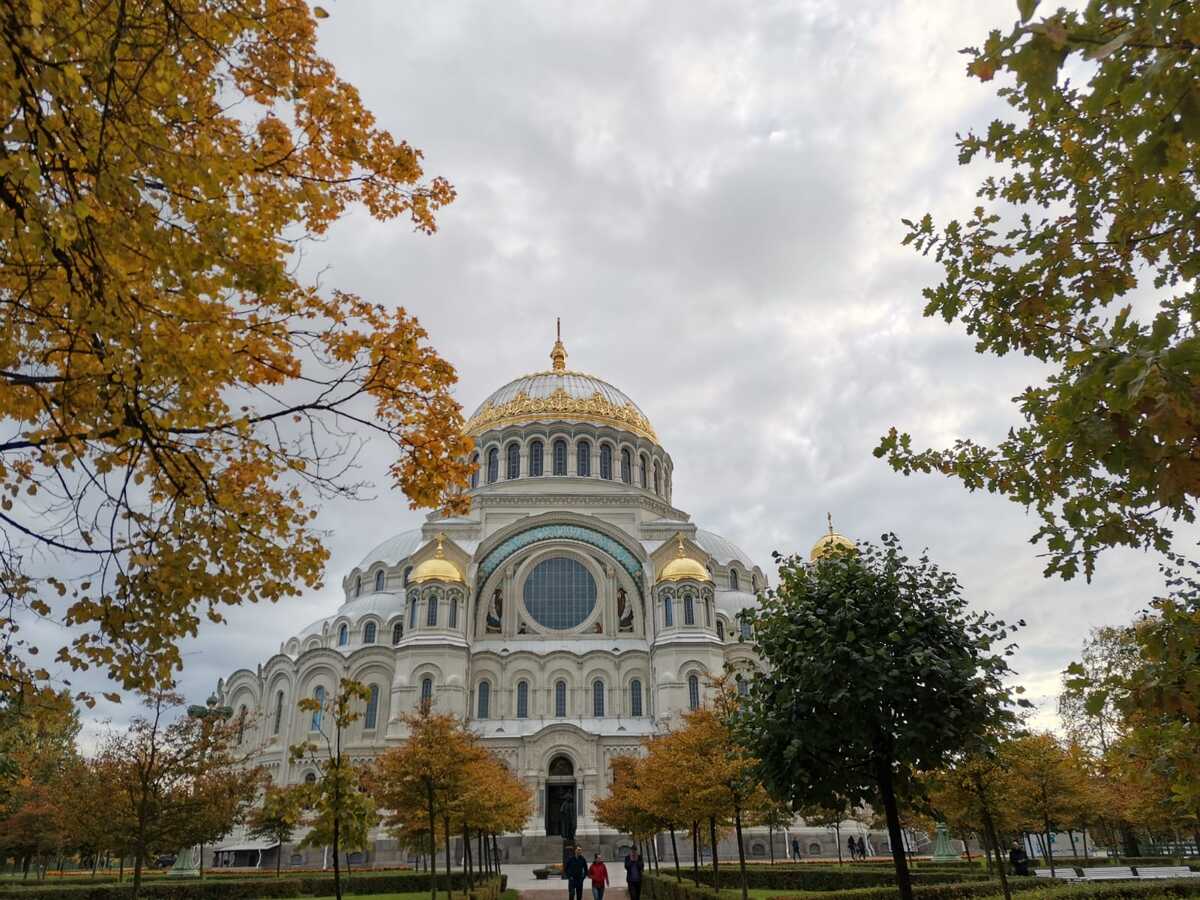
(190, 860)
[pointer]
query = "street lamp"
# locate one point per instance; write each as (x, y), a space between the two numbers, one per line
(189, 860)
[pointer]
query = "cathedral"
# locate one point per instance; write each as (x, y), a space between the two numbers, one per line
(573, 612)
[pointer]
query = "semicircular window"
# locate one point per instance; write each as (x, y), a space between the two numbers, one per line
(560, 593)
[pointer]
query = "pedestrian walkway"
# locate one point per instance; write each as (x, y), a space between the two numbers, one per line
(522, 879)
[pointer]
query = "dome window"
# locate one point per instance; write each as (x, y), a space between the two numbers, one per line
(522, 699)
(560, 593)
(606, 462)
(656, 491)
(397, 633)
(431, 611)
(668, 612)
(358, 586)
(583, 459)
(635, 697)
(513, 462)
(493, 465)
(560, 457)
(598, 699)
(535, 459)
(720, 631)
(626, 467)
(278, 713)
(426, 690)
(733, 579)
(412, 613)
(560, 699)
(474, 471)
(689, 610)
(644, 466)
(379, 580)
(369, 633)
(318, 695)
(343, 635)
(485, 698)
(371, 719)
(453, 617)
(693, 692)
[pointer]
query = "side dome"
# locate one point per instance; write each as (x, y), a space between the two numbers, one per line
(831, 542)
(559, 394)
(683, 567)
(437, 568)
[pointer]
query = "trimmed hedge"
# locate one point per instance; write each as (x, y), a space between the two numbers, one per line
(826, 879)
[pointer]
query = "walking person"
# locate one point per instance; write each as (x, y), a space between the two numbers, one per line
(598, 872)
(576, 870)
(795, 848)
(633, 874)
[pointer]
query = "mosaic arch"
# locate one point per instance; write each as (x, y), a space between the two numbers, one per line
(540, 533)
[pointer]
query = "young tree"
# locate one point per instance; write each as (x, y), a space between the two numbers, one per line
(164, 371)
(829, 814)
(1046, 786)
(1086, 705)
(1096, 203)
(861, 623)
(277, 817)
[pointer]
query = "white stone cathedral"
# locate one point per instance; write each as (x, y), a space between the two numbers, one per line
(573, 612)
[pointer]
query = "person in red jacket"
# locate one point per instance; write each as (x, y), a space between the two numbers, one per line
(598, 872)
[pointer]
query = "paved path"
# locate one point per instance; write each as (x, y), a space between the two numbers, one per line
(521, 878)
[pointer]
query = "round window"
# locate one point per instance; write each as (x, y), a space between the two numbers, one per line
(560, 593)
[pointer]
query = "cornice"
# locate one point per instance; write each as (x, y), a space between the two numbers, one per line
(645, 501)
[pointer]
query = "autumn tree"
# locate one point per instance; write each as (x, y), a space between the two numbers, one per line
(665, 791)
(1046, 787)
(492, 800)
(869, 622)
(1082, 253)
(276, 818)
(174, 391)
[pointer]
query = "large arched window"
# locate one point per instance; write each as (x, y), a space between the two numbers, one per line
(513, 463)
(606, 461)
(644, 465)
(369, 633)
(319, 696)
(453, 618)
(397, 632)
(535, 459)
(412, 612)
(626, 466)
(426, 689)
(668, 612)
(372, 717)
(241, 731)
(693, 692)
(485, 699)
(598, 699)
(560, 457)
(431, 605)
(522, 699)
(656, 477)
(583, 459)
(733, 580)
(689, 610)
(379, 580)
(278, 712)
(635, 697)
(343, 634)
(560, 593)
(493, 459)
(474, 470)
(560, 699)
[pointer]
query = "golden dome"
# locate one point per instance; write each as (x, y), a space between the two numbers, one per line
(683, 567)
(830, 543)
(436, 568)
(559, 394)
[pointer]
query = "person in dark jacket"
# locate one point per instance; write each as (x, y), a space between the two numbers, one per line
(576, 870)
(633, 874)
(795, 848)
(1019, 859)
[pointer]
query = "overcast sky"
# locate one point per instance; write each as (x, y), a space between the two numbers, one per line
(709, 195)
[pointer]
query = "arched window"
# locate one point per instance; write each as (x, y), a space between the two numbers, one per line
(343, 634)
(689, 610)
(358, 586)
(560, 699)
(372, 716)
(598, 699)
(522, 699)
(513, 463)
(560, 457)
(743, 686)
(535, 459)
(720, 630)
(606, 461)
(319, 696)
(474, 470)
(733, 580)
(379, 580)
(407, 572)
(644, 465)
(369, 633)
(431, 605)
(485, 699)
(656, 476)
(626, 466)
(310, 778)
(707, 613)
(583, 459)
(426, 690)
(635, 697)
(668, 612)
(412, 613)
(241, 732)
(693, 692)
(453, 621)
(493, 471)
(278, 712)
(744, 628)
(397, 632)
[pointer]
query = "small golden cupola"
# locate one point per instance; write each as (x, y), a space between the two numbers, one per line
(683, 567)
(831, 542)
(436, 568)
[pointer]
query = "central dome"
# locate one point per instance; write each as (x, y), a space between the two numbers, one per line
(559, 394)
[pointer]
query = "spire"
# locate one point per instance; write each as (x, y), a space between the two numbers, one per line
(439, 553)
(558, 355)
(829, 516)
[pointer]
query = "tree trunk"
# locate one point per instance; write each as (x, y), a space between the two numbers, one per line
(712, 835)
(1049, 845)
(990, 827)
(467, 868)
(737, 824)
(279, 859)
(432, 844)
(771, 841)
(696, 851)
(449, 876)
(496, 851)
(675, 853)
(1071, 838)
(202, 863)
(837, 836)
(1083, 834)
(883, 775)
(121, 870)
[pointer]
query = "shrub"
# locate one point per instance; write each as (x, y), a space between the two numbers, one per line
(821, 878)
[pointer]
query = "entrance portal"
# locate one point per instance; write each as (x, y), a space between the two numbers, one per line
(560, 797)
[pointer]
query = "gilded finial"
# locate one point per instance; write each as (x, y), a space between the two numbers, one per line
(438, 554)
(679, 546)
(558, 355)
(829, 516)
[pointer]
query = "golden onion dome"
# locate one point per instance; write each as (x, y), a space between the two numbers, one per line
(830, 543)
(436, 568)
(683, 567)
(559, 394)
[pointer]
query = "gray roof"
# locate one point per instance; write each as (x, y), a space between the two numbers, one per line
(394, 549)
(722, 550)
(382, 604)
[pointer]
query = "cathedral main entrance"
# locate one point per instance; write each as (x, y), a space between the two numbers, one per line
(561, 814)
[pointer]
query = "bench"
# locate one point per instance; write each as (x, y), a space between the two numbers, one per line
(1166, 872)
(1066, 873)
(1108, 873)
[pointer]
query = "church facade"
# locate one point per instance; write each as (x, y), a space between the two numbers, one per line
(572, 612)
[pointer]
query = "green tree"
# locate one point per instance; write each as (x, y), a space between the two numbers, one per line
(276, 818)
(1086, 705)
(1084, 253)
(876, 668)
